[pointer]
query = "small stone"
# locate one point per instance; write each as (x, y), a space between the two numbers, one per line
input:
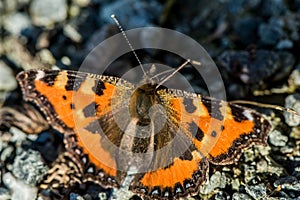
(18, 135)
(249, 172)
(6, 153)
(277, 139)
(19, 189)
(289, 183)
(72, 33)
(7, 78)
(273, 8)
(47, 12)
(102, 196)
(29, 167)
(270, 33)
(257, 191)
(17, 22)
(217, 180)
(46, 57)
(239, 196)
(74, 196)
(221, 195)
(295, 133)
(235, 184)
(284, 44)
(292, 101)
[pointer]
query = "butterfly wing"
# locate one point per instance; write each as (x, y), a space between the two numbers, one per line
(209, 130)
(219, 130)
(80, 103)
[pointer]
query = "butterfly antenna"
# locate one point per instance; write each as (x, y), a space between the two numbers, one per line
(127, 40)
(275, 107)
(174, 72)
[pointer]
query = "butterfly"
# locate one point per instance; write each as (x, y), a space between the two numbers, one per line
(161, 139)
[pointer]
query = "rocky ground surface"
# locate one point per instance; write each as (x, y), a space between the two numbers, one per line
(255, 45)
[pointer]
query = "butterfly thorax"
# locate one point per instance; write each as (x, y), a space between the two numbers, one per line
(142, 99)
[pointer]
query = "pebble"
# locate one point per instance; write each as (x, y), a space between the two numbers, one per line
(269, 34)
(47, 12)
(17, 22)
(284, 44)
(257, 191)
(239, 196)
(290, 185)
(7, 78)
(29, 167)
(217, 180)
(19, 190)
(272, 8)
(277, 139)
(292, 101)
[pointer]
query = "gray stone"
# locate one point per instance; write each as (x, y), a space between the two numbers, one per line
(292, 101)
(7, 79)
(217, 180)
(28, 166)
(257, 191)
(239, 196)
(289, 183)
(17, 22)
(19, 190)
(284, 44)
(278, 139)
(47, 12)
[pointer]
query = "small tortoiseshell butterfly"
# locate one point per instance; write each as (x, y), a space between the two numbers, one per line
(107, 121)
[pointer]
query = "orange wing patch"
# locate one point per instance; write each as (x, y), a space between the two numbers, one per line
(72, 101)
(219, 130)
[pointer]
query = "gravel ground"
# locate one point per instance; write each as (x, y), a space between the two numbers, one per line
(255, 45)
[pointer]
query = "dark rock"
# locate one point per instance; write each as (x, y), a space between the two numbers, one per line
(271, 33)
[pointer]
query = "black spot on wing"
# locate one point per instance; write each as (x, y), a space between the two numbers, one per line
(237, 113)
(72, 106)
(90, 110)
(50, 77)
(213, 107)
(196, 131)
(189, 105)
(187, 155)
(99, 87)
(178, 189)
(64, 97)
(222, 128)
(74, 80)
(167, 193)
(213, 134)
